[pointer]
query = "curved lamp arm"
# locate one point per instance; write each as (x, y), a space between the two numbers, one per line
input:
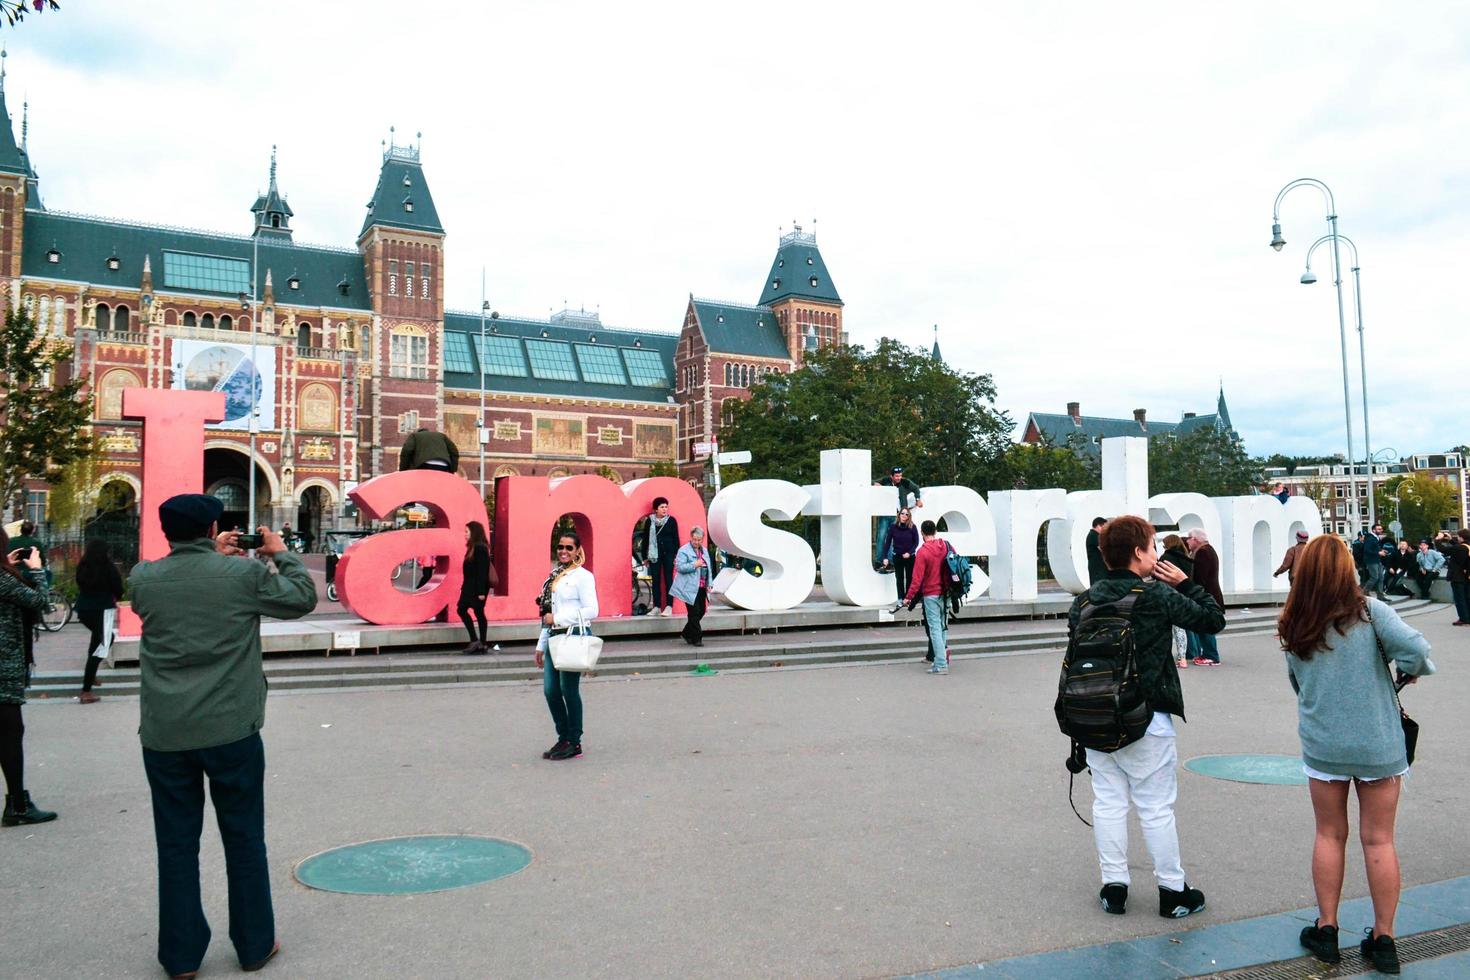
(1277, 242)
(1327, 238)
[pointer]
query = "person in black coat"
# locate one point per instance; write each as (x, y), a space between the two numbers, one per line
(656, 552)
(99, 586)
(479, 576)
(1096, 569)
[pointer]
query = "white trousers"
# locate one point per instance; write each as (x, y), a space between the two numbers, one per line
(1143, 773)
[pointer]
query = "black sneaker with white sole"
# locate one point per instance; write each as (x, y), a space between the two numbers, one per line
(1114, 897)
(1176, 905)
(1321, 942)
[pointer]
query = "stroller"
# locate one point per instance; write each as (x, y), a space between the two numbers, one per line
(337, 543)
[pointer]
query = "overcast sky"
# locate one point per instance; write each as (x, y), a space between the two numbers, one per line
(1078, 195)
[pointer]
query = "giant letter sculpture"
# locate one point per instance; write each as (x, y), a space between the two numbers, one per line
(173, 462)
(788, 567)
(364, 574)
(1019, 517)
(847, 502)
(1255, 533)
(970, 527)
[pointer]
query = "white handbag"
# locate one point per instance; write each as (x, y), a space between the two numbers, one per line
(577, 649)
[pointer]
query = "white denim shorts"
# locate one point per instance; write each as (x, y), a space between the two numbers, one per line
(1332, 777)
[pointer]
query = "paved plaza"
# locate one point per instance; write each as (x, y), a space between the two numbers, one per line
(865, 821)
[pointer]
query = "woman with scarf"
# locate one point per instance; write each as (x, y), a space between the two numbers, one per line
(659, 547)
(20, 606)
(691, 583)
(568, 598)
(898, 550)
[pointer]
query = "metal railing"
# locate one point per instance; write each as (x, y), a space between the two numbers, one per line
(121, 337)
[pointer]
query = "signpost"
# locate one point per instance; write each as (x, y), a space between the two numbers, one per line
(728, 459)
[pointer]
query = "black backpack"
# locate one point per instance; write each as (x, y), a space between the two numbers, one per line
(1100, 702)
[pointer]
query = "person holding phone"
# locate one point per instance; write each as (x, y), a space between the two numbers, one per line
(1338, 646)
(20, 606)
(568, 598)
(692, 567)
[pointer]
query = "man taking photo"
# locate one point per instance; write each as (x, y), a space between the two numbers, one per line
(202, 707)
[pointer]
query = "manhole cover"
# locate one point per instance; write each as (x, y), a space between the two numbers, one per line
(1273, 770)
(412, 865)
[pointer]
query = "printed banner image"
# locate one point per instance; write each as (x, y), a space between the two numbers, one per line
(207, 366)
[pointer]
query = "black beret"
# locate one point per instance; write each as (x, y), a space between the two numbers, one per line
(189, 514)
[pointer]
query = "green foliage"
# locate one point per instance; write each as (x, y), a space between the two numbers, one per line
(664, 467)
(1041, 466)
(1420, 502)
(607, 473)
(1206, 461)
(70, 494)
(940, 424)
(43, 425)
(1290, 463)
(15, 10)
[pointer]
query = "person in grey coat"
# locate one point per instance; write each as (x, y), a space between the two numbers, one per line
(1339, 645)
(693, 569)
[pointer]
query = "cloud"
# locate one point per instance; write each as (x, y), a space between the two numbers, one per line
(1078, 196)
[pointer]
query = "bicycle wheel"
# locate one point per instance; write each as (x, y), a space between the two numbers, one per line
(397, 571)
(57, 613)
(332, 591)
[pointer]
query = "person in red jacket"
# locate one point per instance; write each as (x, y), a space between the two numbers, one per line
(928, 584)
(1206, 574)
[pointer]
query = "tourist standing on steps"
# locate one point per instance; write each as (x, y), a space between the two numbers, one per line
(99, 586)
(202, 706)
(568, 598)
(475, 588)
(659, 546)
(20, 607)
(691, 583)
(1373, 555)
(899, 548)
(1338, 644)
(1457, 561)
(1144, 772)
(1096, 568)
(1207, 576)
(928, 584)
(908, 496)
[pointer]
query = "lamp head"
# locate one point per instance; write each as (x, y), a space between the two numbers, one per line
(1309, 277)
(1277, 242)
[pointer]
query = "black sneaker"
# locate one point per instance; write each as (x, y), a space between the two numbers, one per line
(560, 744)
(1114, 897)
(569, 750)
(1321, 942)
(20, 811)
(1176, 905)
(1381, 952)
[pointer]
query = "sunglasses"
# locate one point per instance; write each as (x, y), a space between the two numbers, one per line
(566, 547)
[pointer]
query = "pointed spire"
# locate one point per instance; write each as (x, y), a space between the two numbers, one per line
(3, 55)
(272, 213)
(25, 125)
(934, 354)
(273, 166)
(270, 291)
(147, 275)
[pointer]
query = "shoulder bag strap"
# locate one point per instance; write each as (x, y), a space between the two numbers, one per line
(1387, 666)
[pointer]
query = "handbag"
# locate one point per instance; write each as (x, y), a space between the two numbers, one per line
(577, 649)
(1411, 727)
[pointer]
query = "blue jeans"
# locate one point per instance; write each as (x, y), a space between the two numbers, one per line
(879, 540)
(1375, 578)
(563, 689)
(237, 787)
(1203, 645)
(934, 618)
(1460, 592)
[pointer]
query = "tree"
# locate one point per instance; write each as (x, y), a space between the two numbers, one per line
(1039, 466)
(1206, 461)
(940, 424)
(1290, 463)
(67, 505)
(43, 425)
(15, 10)
(1418, 501)
(663, 467)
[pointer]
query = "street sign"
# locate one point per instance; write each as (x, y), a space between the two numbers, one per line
(705, 448)
(734, 459)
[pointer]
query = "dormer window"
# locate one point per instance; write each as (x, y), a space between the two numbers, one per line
(406, 181)
(808, 260)
(780, 263)
(113, 263)
(720, 318)
(775, 283)
(294, 282)
(52, 255)
(592, 338)
(275, 221)
(408, 204)
(344, 287)
(813, 281)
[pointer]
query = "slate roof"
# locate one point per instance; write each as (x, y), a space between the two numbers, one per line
(12, 161)
(390, 198)
(86, 243)
(796, 265)
(469, 324)
(734, 328)
(1058, 429)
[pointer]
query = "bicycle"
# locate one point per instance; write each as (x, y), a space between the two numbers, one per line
(57, 613)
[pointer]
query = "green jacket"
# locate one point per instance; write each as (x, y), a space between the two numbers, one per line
(424, 445)
(1156, 612)
(203, 680)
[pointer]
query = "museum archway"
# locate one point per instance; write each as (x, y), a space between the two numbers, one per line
(225, 473)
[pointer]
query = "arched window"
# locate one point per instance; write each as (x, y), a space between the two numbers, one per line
(110, 390)
(102, 316)
(207, 321)
(120, 318)
(303, 336)
(43, 314)
(190, 319)
(227, 322)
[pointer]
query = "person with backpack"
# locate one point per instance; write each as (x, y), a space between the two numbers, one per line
(1117, 693)
(931, 574)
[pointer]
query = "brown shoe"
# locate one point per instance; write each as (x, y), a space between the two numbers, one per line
(87, 697)
(268, 957)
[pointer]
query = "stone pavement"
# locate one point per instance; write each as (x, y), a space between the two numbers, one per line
(849, 822)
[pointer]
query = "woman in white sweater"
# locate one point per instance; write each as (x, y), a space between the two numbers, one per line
(568, 597)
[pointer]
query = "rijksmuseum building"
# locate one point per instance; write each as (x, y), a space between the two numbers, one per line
(356, 349)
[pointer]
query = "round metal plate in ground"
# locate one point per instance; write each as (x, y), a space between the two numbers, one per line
(412, 865)
(1272, 770)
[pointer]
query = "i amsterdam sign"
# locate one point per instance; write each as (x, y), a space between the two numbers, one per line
(1250, 532)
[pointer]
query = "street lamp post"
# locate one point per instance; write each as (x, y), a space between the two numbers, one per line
(480, 365)
(1307, 279)
(1277, 242)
